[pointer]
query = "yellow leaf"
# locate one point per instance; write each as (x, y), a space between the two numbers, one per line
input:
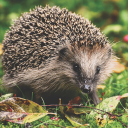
(29, 106)
(101, 86)
(118, 68)
(33, 116)
(101, 121)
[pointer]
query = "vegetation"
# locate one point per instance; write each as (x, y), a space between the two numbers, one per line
(109, 15)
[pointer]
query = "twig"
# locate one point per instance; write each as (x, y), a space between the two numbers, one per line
(52, 105)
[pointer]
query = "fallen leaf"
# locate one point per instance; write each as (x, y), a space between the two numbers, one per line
(124, 95)
(33, 116)
(13, 116)
(103, 93)
(14, 95)
(101, 86)
(118, 68)
(78, 111)
(19, 110)
(76, 100)
(74, 121)
(101, 121)
(107, 105)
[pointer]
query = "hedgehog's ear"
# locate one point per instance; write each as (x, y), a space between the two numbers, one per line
(63, 53)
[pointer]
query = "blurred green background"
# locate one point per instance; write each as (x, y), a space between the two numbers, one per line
(111, 16)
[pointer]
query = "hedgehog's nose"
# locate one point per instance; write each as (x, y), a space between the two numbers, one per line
(86, 88)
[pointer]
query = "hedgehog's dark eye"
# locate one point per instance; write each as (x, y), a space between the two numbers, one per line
(76, 67)
(97, 70)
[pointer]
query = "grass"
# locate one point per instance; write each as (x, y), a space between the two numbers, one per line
(117, 84)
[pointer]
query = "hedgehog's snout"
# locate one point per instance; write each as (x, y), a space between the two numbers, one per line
(87, 86)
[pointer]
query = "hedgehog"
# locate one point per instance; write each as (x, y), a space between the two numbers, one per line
(55, 53)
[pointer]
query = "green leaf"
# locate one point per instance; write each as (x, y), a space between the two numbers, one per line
(107, 105)
(29, 106)
(33, 116)
(74, 120)
(19, 110)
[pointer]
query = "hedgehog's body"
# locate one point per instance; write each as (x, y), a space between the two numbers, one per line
(53, 51)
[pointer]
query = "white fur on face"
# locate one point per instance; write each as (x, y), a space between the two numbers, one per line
(99, 57)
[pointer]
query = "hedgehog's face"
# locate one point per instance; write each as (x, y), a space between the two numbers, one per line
(89, 68)
(95, 66)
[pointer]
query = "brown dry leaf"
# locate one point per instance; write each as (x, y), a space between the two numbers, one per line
(118, 68)
(9, 105)
(76, 110)
(76, 100)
